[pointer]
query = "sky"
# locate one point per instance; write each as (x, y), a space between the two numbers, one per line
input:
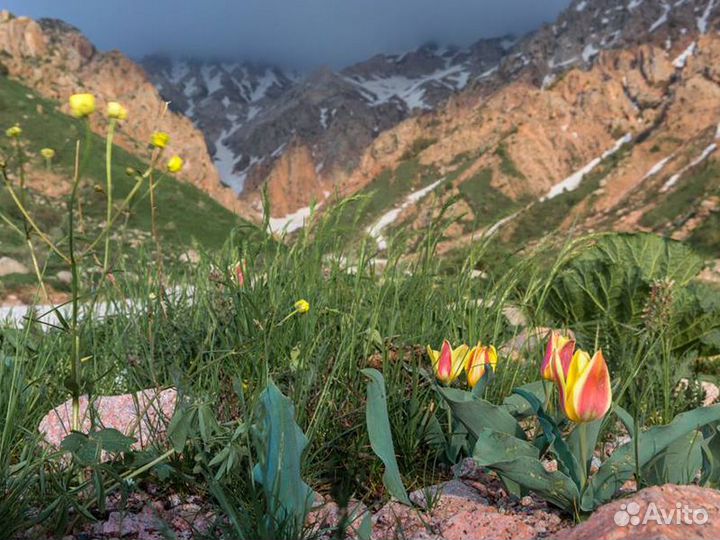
(291, 33)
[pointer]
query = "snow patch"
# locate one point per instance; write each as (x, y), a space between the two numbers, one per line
(681, 61)
(634, 3)
(375, 231)
(702, 157)
(573, 181)
(589, 52)
(291, 222)
(702, 22)
(663, 18)
(659, 166)
(581, 6)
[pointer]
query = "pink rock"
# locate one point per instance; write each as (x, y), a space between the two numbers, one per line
(647, 515)
(143, 415)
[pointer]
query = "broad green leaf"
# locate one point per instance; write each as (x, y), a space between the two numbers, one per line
(279, 444)
(555, 487)
(113, 441)
(477, 414)
(494, 447)
(519, 406)
(679, 463)
(378, 426)
(180, 427)
(620, 466)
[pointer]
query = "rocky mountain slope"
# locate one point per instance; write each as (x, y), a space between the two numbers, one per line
(310, 136)
(56, 60)
(625, 139)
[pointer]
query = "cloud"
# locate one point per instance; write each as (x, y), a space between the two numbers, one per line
(299, 33)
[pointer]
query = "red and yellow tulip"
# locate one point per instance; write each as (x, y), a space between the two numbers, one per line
(448, 363)
(562, 344)
(477, 362)
(585, 392)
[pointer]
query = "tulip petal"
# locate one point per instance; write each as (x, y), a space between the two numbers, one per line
(444, 368)
(592, 393)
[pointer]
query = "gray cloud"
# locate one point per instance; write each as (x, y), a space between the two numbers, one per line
(300, 33)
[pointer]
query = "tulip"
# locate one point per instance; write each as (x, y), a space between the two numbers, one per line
(116, 111)
(302, 306)
(585, 392)
(175, 164)
(448, 362)
(565, 346)
(159, 139)
(82, 105)
(477, 361)
(14, 132)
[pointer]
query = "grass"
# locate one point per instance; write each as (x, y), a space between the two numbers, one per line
(225, 345)
(488, 204)
(507, 166)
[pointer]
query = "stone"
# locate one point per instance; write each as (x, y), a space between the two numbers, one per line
(9, 266)
(456, 510)
(641, 516)
(143, 415)
(64, 276)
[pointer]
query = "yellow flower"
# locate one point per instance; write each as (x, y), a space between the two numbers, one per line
(302, 306)
(159, 139)
(13, 132)
(82, 105)
(117, 111)
(585, 392)
(447, 362)
(47, 153)
(175, 164)
(477, 362)
(562, 344)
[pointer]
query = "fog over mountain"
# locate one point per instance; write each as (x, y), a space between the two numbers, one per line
(300, 34)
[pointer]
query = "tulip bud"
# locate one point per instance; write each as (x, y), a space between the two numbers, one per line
(477, 362)
(116, 111)
(159, 139)
(585, 393)
(562, 344)
(175, 164)
(448, 362)
(82, 105)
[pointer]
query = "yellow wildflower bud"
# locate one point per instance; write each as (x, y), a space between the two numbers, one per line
(302, 306)
(159, 139)
(82, 105)
(47, 153)
(13, 132)
(175, 164)
(117, 111)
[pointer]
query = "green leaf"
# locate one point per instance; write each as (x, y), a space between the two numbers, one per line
(592, 430)
(566, 459)
(495, 447)
(113, 441)
(279, 443)
(378, 426)
(519, 406)
(555, 487)
(180, 427)
(679, 463)
(620, 466)
(477, 414)
(364, 532)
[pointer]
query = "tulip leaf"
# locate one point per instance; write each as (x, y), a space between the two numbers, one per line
(621, 466)
(592, 430)
(495, 447)
(566, 459)
(679, 463)
(519, 406)
(279, 444)
(378, 425)
(477, 414)
(555, 487)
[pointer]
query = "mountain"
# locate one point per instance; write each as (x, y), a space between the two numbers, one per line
(262, 123)
(307, 137)
(56, 60)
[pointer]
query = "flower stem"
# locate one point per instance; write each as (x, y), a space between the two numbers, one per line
(109, 190)
(584, 459)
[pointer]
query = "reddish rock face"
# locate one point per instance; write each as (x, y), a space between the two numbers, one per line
(644, 516)
(143, 415)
